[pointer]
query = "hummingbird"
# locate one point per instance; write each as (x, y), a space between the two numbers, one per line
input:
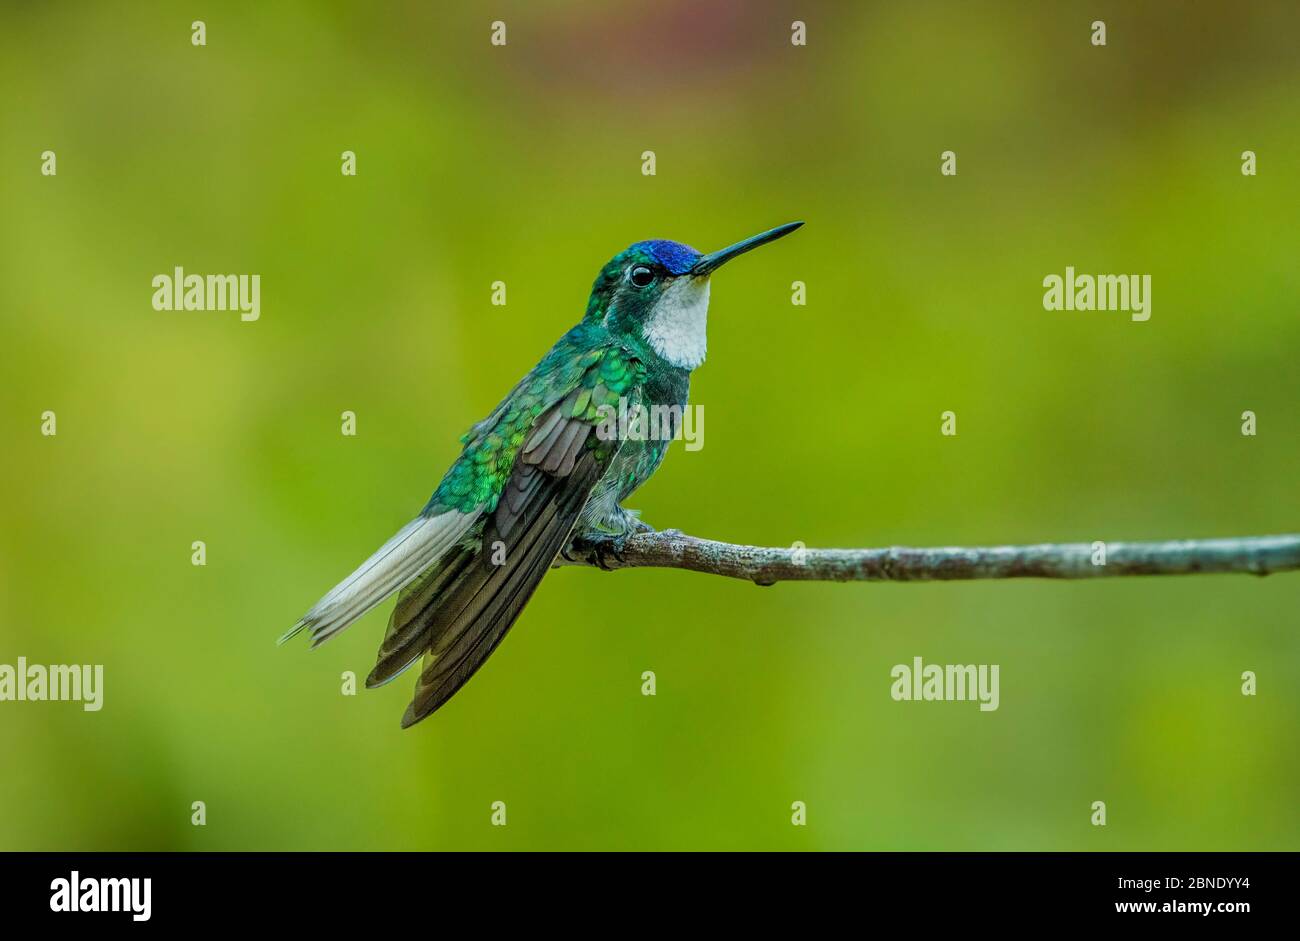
(540, 472)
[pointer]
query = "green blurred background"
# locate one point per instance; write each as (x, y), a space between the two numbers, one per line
(523, 163)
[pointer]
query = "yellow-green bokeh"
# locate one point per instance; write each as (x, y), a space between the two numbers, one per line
(523, 164)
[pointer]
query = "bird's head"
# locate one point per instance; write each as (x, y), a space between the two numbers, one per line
(659, 291)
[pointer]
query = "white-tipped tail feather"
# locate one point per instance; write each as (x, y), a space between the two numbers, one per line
(414, 547)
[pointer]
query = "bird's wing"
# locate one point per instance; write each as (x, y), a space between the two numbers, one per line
(468, 493)
(457, 614)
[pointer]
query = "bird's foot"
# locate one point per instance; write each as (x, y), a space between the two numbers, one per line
(604, 545)
(596, 548)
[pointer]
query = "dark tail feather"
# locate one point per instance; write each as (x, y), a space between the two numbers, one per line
(459, 614)
(408, 627)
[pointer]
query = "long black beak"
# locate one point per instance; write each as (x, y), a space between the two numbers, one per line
(715, 260)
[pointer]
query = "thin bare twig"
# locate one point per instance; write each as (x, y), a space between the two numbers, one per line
(1255, 555)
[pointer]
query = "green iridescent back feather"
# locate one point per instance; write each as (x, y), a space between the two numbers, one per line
(587, 365)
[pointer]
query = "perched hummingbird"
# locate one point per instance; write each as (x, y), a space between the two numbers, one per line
(536, 473)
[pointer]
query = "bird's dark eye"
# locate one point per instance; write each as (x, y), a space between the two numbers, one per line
(641, 276)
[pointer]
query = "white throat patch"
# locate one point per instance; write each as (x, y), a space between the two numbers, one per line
(677, 326)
